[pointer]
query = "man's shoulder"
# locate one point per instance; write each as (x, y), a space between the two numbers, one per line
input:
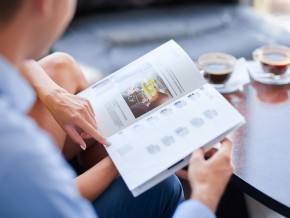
(22, 139)
(35, 179)
(18, 129)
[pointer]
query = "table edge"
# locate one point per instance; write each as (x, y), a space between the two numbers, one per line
(260, 196)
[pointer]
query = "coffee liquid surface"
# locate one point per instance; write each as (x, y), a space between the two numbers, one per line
(217, 73)
(275, 62)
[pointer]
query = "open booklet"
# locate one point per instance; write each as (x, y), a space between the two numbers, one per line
(155, 112)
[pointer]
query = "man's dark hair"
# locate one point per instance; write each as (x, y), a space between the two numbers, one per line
(8, 8)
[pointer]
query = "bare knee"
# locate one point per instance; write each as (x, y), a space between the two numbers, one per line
(63, 69)
(61, 60)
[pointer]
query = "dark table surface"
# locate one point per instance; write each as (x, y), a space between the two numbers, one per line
(261, 154)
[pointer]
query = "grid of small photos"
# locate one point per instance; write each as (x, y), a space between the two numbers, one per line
(166, 136)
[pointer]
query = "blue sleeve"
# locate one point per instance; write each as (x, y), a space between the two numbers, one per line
(191, 208)
(35, 180)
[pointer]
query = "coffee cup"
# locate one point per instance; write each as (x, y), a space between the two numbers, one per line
(217, 68)
(274, 59)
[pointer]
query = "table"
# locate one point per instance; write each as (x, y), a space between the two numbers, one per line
(261, 155)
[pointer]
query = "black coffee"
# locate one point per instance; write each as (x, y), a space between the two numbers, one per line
(217, 73)
(275, 62)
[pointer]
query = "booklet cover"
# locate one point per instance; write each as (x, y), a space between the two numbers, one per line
(156, 111)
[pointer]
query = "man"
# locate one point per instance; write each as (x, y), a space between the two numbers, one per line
(35, 180)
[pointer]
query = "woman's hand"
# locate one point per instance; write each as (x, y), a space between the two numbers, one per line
(70, 111)
(73, 112)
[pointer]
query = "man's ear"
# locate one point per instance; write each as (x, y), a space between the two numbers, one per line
(43, 7)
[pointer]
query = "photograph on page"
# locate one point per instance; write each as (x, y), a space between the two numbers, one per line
(142, 89)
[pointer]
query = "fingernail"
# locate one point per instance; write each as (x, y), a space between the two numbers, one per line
(107, 143)
(84, 146)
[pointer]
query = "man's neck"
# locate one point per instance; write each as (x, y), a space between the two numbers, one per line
(12, 46)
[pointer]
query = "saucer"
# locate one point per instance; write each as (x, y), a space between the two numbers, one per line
(228, 88)
(238, 79)
(256, 72)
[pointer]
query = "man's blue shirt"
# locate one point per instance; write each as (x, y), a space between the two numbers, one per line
(35, 180)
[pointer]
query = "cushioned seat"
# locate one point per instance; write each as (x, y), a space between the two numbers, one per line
(109, 40)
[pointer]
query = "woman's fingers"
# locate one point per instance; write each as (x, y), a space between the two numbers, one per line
(89, 129)
(75, 136)
(89, 108)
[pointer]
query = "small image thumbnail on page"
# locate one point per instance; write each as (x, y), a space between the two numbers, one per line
(143, 89)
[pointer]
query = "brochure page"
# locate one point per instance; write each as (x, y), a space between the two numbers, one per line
(140, 88)
(156, 142)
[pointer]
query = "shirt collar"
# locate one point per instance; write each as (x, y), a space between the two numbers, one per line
(14, 88)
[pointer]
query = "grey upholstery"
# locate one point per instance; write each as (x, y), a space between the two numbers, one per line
(111, 39)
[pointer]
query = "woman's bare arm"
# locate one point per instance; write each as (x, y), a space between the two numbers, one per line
(95, 180)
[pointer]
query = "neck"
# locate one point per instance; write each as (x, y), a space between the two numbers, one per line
(12, 46)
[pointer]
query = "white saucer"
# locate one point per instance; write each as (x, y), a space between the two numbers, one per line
(228, 88)
(239, 78)
(257, 73)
